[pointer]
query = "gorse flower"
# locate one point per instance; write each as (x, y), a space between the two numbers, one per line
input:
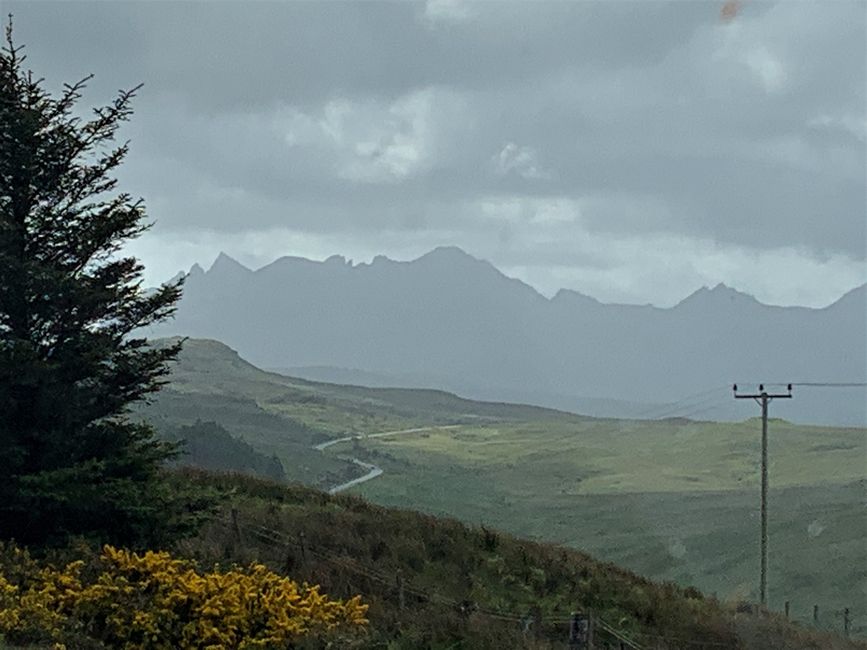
(153, 600)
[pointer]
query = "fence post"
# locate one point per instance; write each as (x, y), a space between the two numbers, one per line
(400, 596)
(289, 563)
(302, 543)
(787, 610)
(579, 632)
(236, 528)
(815, 615)
(537, 622)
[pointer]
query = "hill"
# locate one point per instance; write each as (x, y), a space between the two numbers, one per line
(436, 583)
(672, 499)
(286, 416)
(447, 320)
(419, 582)
(207, 445)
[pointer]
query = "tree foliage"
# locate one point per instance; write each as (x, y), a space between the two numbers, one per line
(208, 445)
(71, 304)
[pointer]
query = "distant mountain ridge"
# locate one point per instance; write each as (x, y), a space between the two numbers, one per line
(449, 320)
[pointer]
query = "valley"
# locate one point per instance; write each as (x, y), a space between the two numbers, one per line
(672, 499)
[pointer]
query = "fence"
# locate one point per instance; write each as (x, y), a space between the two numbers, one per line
(840, 619)
(603, 634)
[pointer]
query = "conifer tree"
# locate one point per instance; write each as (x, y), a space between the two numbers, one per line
(72, 461)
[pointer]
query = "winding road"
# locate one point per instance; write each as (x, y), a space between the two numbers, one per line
(372, 470)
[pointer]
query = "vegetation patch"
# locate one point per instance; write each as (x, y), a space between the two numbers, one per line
(153, 600)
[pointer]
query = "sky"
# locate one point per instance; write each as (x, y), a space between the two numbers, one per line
(632, 151)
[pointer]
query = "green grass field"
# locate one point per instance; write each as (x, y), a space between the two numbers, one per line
(586, 456)
(285, 416)
(676, 500)
(671, 499)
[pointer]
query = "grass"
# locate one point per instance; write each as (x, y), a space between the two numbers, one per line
(349, 546)
(617, 456)
(671, 499)
(285, 416)
(209, 368)
(687, 515)
(436, 583)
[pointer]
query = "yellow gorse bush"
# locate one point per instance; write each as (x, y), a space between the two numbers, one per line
(153, 600)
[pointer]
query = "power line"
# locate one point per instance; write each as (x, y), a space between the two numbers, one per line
(703, 406)
(659, 411)
(691, 415)
(815, 384)
(830, 384)
(705, 400)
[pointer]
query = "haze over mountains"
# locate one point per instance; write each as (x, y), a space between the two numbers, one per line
(448, 320)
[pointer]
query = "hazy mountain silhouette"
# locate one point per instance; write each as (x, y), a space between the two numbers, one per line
(448, 320)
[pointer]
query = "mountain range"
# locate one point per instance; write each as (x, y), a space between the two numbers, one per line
(448, 320)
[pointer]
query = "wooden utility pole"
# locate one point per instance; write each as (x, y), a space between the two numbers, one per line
(302, 545)
(763, 398)
(580, 632)
(400, 595)
(236, 529)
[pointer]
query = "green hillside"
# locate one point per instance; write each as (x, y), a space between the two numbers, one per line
(673, 499)
(468, 587)
(211, 368)
(430, 583)
(285, 416)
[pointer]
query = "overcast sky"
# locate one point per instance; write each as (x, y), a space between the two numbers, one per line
(633, 151)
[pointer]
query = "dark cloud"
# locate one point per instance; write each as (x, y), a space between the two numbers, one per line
(531, 132)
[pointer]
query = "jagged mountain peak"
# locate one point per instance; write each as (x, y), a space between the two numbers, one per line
(457, 322)
(570, 295)
(450, 255)
(381, 260)
(721, 294)
(177, 277)
(856, 296)
(224, 264)
(289, 262)
(337, 260)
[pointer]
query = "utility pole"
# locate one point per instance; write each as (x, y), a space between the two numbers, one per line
(400, 595)
(580, 632)
(763, 398)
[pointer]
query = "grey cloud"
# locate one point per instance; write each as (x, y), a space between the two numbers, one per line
(349, 118)
(220, 55)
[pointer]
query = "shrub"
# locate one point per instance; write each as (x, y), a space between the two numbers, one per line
(152, 600)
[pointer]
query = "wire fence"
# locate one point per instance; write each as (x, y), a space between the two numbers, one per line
(528, 622)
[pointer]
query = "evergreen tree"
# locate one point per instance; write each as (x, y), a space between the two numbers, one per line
(71, 363)
(208, 445)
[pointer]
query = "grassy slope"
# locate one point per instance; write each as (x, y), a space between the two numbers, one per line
(351, 546)
(210, 368)
(684, 511)
(284, 416)
(674, 499)
(616, 456)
